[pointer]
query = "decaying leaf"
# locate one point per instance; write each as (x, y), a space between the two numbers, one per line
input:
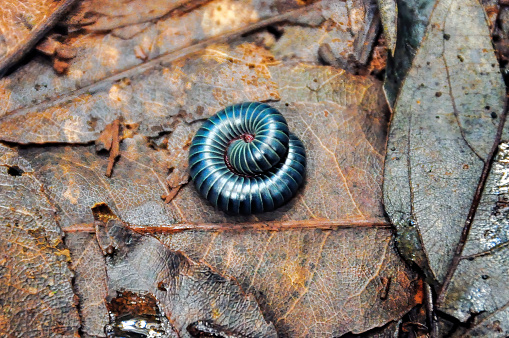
(59, 52)
(480, 284)
(97, 15)
(389, 15)
(494, 325)
(443, 129)
(35, 281)
(105, 59)
(413, 19)
(149, 75)
(312, 283)
(340, 34)
(187, 292)
(78, 182)
(90, 284)
(156, 99)
(22, 24)
(138, 313)
(178, 144)
(341, 119)
(492, 9)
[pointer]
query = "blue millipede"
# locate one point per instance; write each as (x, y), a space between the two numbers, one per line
(244, 160)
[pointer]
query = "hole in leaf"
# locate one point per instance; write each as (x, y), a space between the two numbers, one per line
(15, 171)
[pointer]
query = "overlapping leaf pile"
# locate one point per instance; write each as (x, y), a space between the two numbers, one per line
(323, 265)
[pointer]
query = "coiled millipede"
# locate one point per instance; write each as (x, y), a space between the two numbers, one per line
(244, 160)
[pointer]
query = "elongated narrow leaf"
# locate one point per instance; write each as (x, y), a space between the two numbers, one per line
(444, 126)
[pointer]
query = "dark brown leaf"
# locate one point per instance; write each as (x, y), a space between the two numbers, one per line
(138, 313)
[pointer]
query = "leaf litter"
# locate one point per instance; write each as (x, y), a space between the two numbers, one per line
(155, 125)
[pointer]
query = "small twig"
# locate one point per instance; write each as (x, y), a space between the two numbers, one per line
(430, 311)
(416, 324)
(488, 252)
(263, 226)
(82, 227)
(386, 284)
(171, 194)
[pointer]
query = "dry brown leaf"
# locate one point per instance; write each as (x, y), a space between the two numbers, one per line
(157, 99)
(35, 280)
(41, 97)
(90, 283)
(97, 15)
(103, 59)
(23, 23)
(341, 119)
(312, 283)
(186, 291)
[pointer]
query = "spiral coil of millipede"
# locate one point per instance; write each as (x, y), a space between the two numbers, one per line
(244, 160)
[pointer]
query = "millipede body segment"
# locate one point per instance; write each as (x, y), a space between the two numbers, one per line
(244, 160)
